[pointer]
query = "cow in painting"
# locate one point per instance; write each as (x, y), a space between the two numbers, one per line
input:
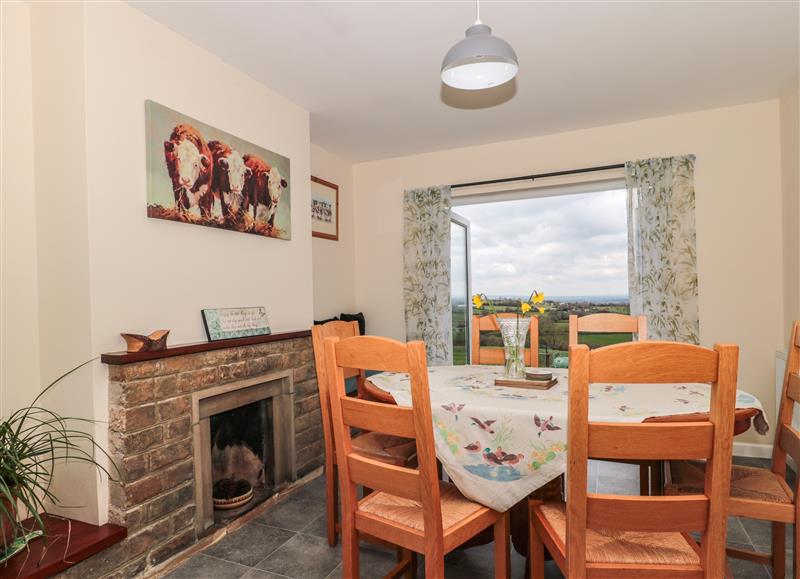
(230, 175)
(276, 186)
(189, 165)
(256, 184)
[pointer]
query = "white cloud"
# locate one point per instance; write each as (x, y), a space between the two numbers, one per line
(567, 245)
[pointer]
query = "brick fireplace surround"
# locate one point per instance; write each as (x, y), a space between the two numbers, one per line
(150, 438)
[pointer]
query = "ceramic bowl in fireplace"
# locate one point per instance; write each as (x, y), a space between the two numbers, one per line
(230, 494)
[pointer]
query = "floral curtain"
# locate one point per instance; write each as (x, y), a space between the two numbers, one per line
(662, 258)
(426, 271)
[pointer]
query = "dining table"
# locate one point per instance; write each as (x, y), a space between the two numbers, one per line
(498, 444)
(501, 444)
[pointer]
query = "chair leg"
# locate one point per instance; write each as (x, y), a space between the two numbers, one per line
(350, 562)
(535, 554)
(644, 478)
(331, 504)
(657, 477)
(434, 563)
(411, 558)
(502, 557)
(778, 549)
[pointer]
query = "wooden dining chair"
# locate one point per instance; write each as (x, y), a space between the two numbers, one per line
(605, 536)
(494, 356)
(607, 324)
(761, 493)
(410, 508)
(399, 451)
(650, 472)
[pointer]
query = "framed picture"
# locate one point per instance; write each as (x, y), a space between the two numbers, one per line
(225, 323)
(204, 176)
(324, 209)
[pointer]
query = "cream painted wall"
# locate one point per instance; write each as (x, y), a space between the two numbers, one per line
(100, 264)
(62, 232)
(738, 217)
(148, 273)
(334, 261)
(790, 184)
(19, 311)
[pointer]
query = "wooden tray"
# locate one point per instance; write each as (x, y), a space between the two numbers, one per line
(523, 383)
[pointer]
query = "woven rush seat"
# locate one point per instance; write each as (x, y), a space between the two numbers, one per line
(408, 512)
(385, 448)
(747, 482)
(623, 547)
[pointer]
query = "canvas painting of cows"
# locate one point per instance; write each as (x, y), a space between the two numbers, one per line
(201, 175)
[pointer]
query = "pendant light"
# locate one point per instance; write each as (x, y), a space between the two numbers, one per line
(480, 60)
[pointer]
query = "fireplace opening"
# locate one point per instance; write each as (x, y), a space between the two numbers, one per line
(242, 462)
(245, 437)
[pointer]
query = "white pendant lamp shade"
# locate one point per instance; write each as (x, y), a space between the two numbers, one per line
(479, 61)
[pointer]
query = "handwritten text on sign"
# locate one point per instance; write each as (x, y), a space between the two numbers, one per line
(236, 322)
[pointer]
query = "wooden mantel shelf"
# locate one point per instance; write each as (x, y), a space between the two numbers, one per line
(69, 542)
(120, 358)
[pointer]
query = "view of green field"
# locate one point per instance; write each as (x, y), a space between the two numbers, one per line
(553, 326)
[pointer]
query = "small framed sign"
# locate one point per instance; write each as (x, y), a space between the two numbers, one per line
(225, 323)
(324, 209)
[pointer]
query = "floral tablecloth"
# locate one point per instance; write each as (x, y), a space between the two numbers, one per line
(499, 444)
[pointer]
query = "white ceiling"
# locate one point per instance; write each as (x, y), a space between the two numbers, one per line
(369, 71)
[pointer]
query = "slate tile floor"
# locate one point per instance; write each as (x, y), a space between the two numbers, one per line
(288, 541)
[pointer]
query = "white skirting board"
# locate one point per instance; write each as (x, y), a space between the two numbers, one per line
(752, 449)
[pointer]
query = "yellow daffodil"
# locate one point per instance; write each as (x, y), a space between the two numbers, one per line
(541, 310)
(477, 301)
(525, 307)
(538, 297)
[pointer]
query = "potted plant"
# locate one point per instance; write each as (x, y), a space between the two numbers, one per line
(32, 440)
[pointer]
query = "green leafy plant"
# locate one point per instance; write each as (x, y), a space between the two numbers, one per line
(32, 440)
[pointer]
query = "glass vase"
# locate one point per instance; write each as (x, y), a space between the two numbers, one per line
(514, 331)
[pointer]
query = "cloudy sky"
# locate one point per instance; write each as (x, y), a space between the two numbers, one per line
(565, 246)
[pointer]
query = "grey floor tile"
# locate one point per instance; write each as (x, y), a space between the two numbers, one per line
(751, 461)
(374, 562)
(260, 574)
(747, 569)
(479, 562)
(736, 532)
(304, 557)
(759, 532)
(318, 527)
(250, 544)
(202, 566)
(293, 513)
(313, 491)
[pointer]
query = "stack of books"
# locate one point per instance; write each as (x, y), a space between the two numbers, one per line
(534, 379)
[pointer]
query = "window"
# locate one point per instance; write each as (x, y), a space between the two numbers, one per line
(571, 246)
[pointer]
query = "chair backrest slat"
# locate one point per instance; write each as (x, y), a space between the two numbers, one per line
(496, 356)
(396, 480)
(656, 441)
(790, 395)
(618, 513)
(793, 388)
(651, 363)
(789, 441)
(376, 416)
(607, 324)
(372, 353)
(383, 354)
